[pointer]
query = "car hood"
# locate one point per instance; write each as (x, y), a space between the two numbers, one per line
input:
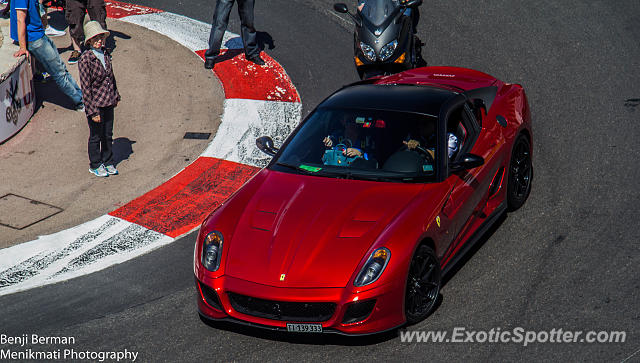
(309, 231)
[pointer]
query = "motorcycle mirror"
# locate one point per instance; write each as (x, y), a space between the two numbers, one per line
(340, 8)
(412, 3)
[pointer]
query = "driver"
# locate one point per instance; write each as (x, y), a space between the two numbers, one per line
(452, 144)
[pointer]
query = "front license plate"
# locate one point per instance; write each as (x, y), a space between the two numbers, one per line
(304, 328)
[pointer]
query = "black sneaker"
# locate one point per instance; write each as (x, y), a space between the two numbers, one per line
(257, 60)
(75, 55)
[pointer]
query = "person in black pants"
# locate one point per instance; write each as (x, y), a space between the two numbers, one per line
(219, 26)
(101, 96)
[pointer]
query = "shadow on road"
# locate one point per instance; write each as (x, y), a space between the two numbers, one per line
(475, 248)
(263, 39)
(49, 92)
(122, 149)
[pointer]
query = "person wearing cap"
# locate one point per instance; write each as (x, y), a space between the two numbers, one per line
(27, 30)
(219, 26)
(100, 98)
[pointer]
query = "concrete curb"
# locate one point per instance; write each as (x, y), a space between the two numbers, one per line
(258, 101)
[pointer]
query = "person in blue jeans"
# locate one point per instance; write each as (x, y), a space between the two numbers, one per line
(219, 26)
(27, 30)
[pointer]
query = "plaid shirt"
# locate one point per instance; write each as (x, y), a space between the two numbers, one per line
(98, 84)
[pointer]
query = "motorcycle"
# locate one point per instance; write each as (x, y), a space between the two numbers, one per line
(384, 41)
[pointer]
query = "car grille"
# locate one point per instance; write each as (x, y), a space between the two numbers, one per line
(282, 310)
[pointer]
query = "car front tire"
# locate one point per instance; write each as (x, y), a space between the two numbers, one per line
(423, 285)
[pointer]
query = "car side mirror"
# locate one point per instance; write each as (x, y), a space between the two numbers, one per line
(340, 8)
(265, 144)
(468, 161)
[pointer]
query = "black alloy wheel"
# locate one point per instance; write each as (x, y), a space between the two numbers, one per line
(423, 285)
(520, 173)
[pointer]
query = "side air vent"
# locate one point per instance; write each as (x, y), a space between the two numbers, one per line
(496, 184)
(358, 311)
(209, 296)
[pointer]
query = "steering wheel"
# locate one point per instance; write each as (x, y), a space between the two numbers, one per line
(422, 151)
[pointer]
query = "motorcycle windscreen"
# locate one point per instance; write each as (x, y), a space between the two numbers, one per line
(377, 11)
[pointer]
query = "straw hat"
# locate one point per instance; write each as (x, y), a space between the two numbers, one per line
(91, 29)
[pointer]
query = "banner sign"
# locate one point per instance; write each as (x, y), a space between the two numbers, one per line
(18, 101)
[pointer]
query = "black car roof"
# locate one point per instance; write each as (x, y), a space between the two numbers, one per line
(407, 98)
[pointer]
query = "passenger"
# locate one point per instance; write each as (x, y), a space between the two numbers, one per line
(345, 145)
(350, 138)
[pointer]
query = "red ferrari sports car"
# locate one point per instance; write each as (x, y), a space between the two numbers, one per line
(367, 204)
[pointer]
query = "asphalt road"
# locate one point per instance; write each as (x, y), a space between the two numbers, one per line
(569, 259)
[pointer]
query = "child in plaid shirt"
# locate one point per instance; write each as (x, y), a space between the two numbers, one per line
(100, 98)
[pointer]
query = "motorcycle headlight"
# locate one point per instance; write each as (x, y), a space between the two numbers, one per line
(212, 251)
(387, 51)
(374, 267)
(368, 51)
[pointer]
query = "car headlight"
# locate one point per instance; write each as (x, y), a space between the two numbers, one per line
(374, 267)
(387, 51)
(368, 51)
(212, 251)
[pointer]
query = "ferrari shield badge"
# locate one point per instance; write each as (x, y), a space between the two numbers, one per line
(282, 277)
(437, 222)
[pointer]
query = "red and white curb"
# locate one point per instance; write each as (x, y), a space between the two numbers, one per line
(258, 101)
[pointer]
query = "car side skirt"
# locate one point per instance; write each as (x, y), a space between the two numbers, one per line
(480, 232)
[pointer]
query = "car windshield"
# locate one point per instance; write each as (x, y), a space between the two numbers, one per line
(363, 144)
(376, 11)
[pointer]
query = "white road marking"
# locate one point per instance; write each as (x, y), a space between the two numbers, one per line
(245, 120)
(95, 245)
(191, 33)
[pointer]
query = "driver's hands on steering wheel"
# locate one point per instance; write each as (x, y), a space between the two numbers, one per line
(411, 144)
(327, 141)
(351, 152)
(415, 145)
